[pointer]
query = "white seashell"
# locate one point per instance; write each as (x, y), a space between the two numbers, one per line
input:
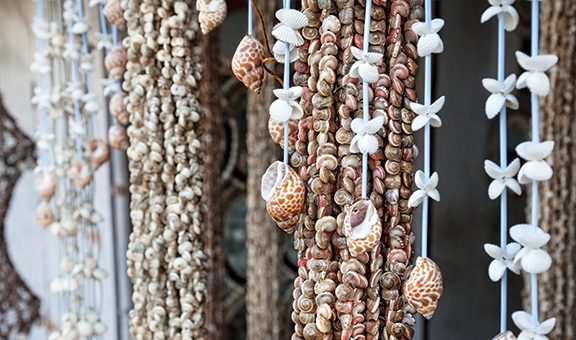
(99, 328)
(84, 328)
(287, 35)
(279, 51)
(80, 27)
(292, 18)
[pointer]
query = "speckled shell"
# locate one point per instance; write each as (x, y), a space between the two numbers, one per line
(247, 63)
(44, 214)
(98, 151)
(505, 336)
(80, 173)
(117, 137)
(45, 184)
(276, 130)
(424, 288)
(209, 17)
(117, 107)
(115, 62)
(284, 192)
(362, 230)
(114, 13)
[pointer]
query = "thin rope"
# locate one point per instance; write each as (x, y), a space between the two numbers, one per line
(286, 87)
(365, 98)
(249, 17)
(427, 102)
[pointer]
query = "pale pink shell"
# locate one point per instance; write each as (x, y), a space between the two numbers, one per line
(115, 62)
(117, 107)
(45, 183)
(247, 63)
(505, 336)
(424, 288)
(363, 234)
(99, 153)
(44, 214)
(276, 130)
(211, 14)
(114, 13)
(284, 192)
(80, 173)
(117, 137)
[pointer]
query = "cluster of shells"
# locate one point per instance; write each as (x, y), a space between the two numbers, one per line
(69, 154)
(348, 285)
(166, 260)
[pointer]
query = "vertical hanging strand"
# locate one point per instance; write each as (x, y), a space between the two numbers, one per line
(286, 86)
(365, 99)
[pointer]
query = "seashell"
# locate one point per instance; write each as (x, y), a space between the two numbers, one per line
(44, 214)
(276, 130)
(291, 21)
(114, 13)
(423, 288)
(45, 184)
(211, 14)
(362, 227)
(286, 34)
(279, 51)
(283, 190)
(117, 137)
(505, 336)
(117, 107)
(98, 151)
(247, 63)
(115, 62)
(80, 173)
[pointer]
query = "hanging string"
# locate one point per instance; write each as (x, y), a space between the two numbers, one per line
(427, 102)
(75, 81)
(43, 158)
(365, 98)
(286, 86)
(249, 17)
(536, 139)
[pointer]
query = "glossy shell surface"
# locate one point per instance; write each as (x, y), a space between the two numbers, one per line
(247, 63)
(424, 287)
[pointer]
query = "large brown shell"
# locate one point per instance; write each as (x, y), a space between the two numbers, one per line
(211, 18)
(424, 288)
(247, 63)
(114, 13)
(276, 130)
(284, 192)
(115, 62)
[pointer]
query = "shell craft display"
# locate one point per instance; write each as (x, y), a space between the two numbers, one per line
(424, 287)
(211, 14)
(247, 63)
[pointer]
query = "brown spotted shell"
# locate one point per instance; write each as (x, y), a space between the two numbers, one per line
(276, 130)
(80, 173)
(362, 227)
(45, 184)
(505, 336)
(117, 137)
(424, 288)
(115, 61)
(117, 107)
(114, 13)
(283, 190)
(211, 14)
(247, 63)
(98, 151)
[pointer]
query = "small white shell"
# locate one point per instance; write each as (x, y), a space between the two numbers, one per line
(292, 18)
(287, 35)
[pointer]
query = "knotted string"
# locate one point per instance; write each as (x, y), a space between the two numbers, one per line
(365, 97)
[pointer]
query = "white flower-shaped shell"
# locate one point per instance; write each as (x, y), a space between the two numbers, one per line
(279, 51)
(110, 86)
(364, 141)
(531, 258)
(503, 259)
(511, 16)
(529, 331)
(291, 21)
(536, 168)
(426, 186)
(286, 106)
(365, 66)
(427, 114)
(501, 95)
(534, 77)
(502, 178)
(429, 42)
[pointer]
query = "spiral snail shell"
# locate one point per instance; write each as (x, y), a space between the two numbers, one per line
(247, 63)
(362, 227)
(211, 14)
(423, 288)
(117, 137)
(115, 61)
(283, 190)
(117, 107)
(114, 13)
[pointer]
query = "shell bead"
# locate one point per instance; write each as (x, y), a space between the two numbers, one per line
(362, 227)
(247, 63)
(424, 288)
(211, 14)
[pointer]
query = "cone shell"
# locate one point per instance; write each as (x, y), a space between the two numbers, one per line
(247, 63)
(117, 137)
(284, 192)
(115, 62)
(114, 13)
(424, 288)
(80, 173)
(276, 130)
(44, 214)
(45, 184)
(211, 14)
(362, 227)
(98, 151)
(505, 336)
(117, 107)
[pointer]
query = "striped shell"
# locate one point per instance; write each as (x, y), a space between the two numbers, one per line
(283, 190)
(362, 227)
(211, 14)
(424, 288)
(247, 63)
(114, 13)
(276, 130)
(505, 336)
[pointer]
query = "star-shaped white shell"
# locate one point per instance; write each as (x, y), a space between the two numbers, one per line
(501, 95)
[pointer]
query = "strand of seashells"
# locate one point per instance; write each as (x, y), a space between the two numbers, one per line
(166, 260)
(64, 176)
